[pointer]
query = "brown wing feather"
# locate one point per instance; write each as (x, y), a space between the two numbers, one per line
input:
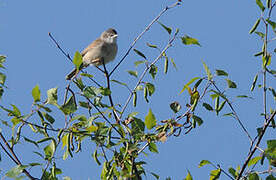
(92, 45)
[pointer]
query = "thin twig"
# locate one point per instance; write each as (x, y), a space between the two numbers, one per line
(235, 114)
(218, 167)
(146, 70)
(257, 144)
(15, 158)
(109, 96)
(143, 32)
(105, 118)
(68, 57)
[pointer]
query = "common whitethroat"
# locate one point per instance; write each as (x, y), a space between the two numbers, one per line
(103, 49)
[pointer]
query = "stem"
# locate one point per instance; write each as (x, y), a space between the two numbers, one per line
(235, 114)
(143, 32)
(13, 156)
(146, 70)
(109, 96)
(257, 144)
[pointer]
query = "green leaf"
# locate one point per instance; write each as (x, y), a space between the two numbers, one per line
(221, 72)
(254, 27)
(137, 63)
(95, 156)
(45, 139)
(214, 175)
(150, 120)
(153, 147)
(77, 60)
(260, 4)
(153, 71)
(2, 59)
(2, 78)
(244, 96)
(187, 40)
(231, 84)
(232, 171)
(187, 85)
(189, 176)
(134, 99)
(166, 64)
(198, 120)
(49, 118)
(253, 176)
(91, 92)
(268, 4)
(151, 88)
(155, 175)
(36, 93)
(133, 73)
(207, 70)
(146, 94)
(49, 150)
(259, 53)
(254, 161)
(105, 91)
(203, 163)
(169, 30)
(266, 60)
(70, 106)
(273, 92)
(151, 45)
(137, 125)
(118, 82)
(16, 171)
(262, 35)
(270, 177)
(208, 106)
(172, 61)
(272, 24)
(254, 82)
(221, 106)
(52, 96)
(139, 53)
(31, 141)
(86, 75)
(175, 106)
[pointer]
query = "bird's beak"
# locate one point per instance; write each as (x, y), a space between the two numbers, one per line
(115, 35)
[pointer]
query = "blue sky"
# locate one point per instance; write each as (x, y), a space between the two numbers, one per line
(220, 26)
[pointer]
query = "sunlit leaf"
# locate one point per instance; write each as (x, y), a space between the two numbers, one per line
(187, 85)
(139, 53)
(221, 72)
(254, 27)
(208, 106)
(197, 119)
(151, 88)
(168, 29)
(175, 106)
(187, 40)
(133, 73)
(214, 175)
(52, 96)
(153, 147)
(153, 71)
(207, 70)
(137, 63)
(151, 45)
(70, 106)
(254, 82)
(203, 163)
(150, 120)
(231, 84)
(254, 161)
(260, 4)
(2, 78)
(77, 60)
(189, 176)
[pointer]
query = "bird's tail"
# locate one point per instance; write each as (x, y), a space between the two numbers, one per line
(71, 74)
(74, 72)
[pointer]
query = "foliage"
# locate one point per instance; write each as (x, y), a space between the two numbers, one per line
(122, 136)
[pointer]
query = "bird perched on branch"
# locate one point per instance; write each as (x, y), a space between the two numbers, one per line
(103, 49)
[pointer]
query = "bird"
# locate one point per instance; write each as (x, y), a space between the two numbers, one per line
(103, 49)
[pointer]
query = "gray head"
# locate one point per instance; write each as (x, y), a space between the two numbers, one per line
(109, 36)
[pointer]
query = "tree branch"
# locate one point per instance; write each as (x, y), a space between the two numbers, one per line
(143, 32)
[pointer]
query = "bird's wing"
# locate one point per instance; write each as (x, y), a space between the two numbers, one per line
(94, 44)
